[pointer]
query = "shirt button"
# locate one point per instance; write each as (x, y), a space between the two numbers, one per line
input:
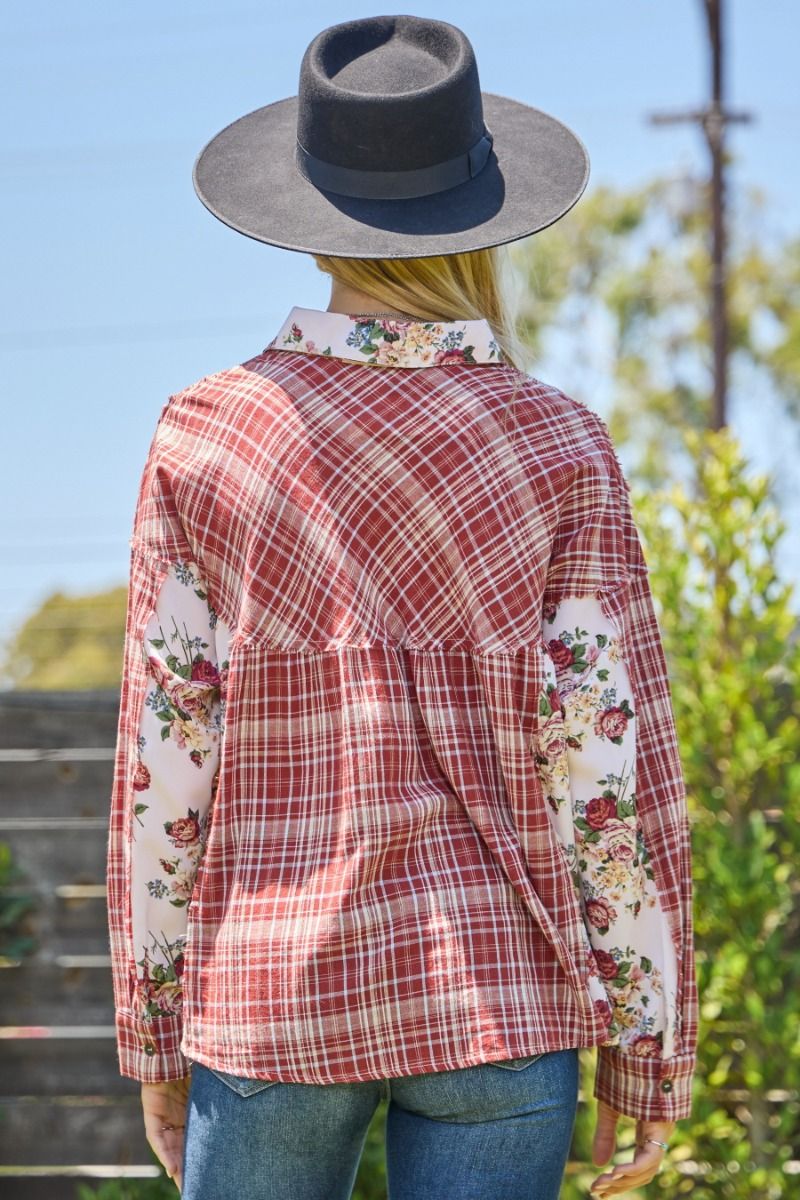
(149, 1049)
(666, 1085)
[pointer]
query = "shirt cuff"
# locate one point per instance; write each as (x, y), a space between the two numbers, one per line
(150, 1051)
(650, 1089)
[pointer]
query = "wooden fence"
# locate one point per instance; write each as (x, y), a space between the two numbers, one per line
(66, 1113)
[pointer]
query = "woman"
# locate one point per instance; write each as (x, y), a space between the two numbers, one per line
(398, 810)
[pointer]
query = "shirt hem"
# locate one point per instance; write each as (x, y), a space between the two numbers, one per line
(458, 1062)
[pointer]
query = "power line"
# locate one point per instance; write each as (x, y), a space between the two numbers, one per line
(69, 602)
(112, 629)
(55, 543)
(87, 154)
(115, 562)
(129, 29)
(714, 120)
(106, 335)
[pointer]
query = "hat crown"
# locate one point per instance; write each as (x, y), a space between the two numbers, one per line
(389, 93)
(391, 149)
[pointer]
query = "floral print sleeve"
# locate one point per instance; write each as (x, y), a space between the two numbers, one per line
(586, 755)
(607, 755)
(176, 746)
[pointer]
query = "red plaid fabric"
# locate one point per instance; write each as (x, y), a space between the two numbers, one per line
(396, 786)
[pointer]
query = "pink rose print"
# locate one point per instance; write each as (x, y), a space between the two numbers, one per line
(647, 1046)
(560, 653)
(607, 964)
(188, 699)
(204, 671)
(600, 913)
(167, 998)
(620, 839)
(637, 975)
(600, 810)
(296, 331)
(185, 831)
(445, 356)
(613, 723)
(553, 744)
(160, 994)
(389, 353)
(141, 777)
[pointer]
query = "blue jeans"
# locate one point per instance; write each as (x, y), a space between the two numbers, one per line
(495, 1131)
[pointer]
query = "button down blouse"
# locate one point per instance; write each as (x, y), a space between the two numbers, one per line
(396, 786)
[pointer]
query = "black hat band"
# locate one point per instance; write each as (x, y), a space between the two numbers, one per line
(394, 185)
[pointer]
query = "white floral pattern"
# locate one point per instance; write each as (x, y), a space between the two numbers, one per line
(585, 753)
(387, 341)
(181, 723)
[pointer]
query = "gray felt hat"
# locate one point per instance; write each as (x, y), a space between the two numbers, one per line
(391, 150)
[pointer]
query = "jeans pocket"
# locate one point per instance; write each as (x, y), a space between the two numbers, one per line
(241, 1084)
(518, 1064)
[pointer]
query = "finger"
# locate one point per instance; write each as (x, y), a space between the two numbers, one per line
(606, 1115)
(172, 1151)
(648, 1165)
(643, 1162)
(605, 1137)
(622, 1187)
(178, 1176)
(613, 1184)
(167, 1146)
(622, 1179)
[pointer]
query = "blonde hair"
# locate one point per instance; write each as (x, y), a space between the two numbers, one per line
(465, 286)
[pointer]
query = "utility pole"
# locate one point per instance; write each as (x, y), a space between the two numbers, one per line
(714, 119)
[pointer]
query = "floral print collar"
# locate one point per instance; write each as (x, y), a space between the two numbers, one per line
(387, 341)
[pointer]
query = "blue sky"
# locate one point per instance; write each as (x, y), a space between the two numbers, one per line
(119, 288)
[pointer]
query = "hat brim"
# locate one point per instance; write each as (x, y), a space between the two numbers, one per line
(537, 170)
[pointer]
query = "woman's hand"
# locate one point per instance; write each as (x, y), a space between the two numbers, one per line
(645, 1162)
(165, 1104)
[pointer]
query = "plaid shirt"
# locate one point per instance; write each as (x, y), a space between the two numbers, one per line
(396, 783)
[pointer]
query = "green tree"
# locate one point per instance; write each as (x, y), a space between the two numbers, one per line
(69, 643)
(632, 268)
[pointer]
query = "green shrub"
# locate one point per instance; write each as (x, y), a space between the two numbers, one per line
(14, 908)
(731, 639)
